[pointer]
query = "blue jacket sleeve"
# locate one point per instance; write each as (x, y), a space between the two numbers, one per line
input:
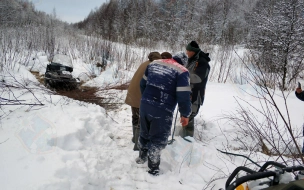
(300, 96)
(183, 92)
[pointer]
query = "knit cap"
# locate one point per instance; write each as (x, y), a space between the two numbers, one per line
(181, 58)
(193, 46)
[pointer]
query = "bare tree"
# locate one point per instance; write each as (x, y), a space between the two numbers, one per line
(278, 38)
(266, 124)
(174, 22)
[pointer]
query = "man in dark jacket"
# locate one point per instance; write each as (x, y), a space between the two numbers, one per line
(165, 83)
(300, 94)
(199, 68)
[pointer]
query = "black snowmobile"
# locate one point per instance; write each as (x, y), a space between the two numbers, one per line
(58, 75)
(265, 179)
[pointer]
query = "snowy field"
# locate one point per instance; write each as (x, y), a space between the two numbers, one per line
(67, 144)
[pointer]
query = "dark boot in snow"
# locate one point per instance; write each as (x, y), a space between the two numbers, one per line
(142, 158)
(136, 136)
(154, 172)
(154, 167)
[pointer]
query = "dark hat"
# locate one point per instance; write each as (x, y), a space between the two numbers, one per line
(193, 46)
(166, 55)
(154, 55)
(181, 58)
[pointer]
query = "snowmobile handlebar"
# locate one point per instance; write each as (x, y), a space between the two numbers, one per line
(293, 168)
(236, 171)
(276, 164)
(254, 176)
(262, 173)
(281, 166)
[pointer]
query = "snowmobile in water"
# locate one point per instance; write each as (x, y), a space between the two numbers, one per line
(281, 178)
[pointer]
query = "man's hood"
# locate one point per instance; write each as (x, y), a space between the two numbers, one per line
(205, 55)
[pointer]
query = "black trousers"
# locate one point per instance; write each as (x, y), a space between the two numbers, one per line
(135, 116)
(136, 127)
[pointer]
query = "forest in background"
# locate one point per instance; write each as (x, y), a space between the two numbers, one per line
(173, 21)
(273, 30)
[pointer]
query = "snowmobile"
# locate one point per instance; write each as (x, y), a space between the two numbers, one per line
(280, 178)
(58, 75)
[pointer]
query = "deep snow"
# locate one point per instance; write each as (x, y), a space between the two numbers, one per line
(67, 144)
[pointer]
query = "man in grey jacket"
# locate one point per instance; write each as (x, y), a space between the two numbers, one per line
(199, 68)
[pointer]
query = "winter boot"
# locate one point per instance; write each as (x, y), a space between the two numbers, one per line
(142, 158)
(154, 172)
(154, 167)
(136, 136)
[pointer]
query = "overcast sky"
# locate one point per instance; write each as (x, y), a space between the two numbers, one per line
(68, 10)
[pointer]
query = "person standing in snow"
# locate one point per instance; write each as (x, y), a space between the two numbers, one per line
(134, 95)
(198, 66)
(300, 95)
(165, 83)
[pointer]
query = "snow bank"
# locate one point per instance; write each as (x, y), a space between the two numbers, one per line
(68, 144)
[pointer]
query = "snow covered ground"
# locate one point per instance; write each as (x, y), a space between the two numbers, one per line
(67, 144)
